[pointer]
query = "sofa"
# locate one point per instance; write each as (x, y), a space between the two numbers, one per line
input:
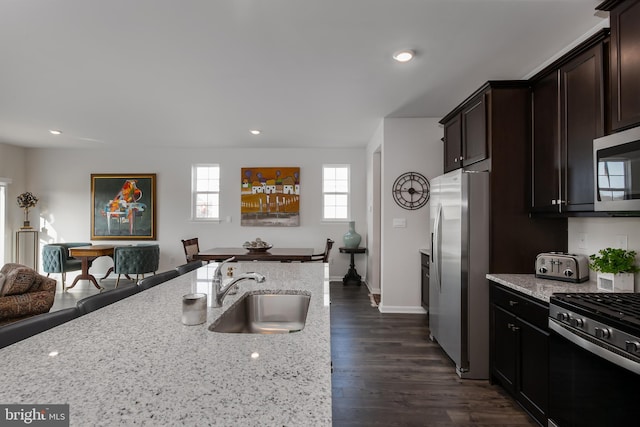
(24, 293)
(56, 259)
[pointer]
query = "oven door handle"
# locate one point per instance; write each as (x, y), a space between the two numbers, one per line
(602, 352)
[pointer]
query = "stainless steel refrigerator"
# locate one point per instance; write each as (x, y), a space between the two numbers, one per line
(458, 288)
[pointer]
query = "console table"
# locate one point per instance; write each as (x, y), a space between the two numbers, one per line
(27, 249)
(352, 275)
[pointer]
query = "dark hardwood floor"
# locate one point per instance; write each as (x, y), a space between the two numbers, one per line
(386, 372)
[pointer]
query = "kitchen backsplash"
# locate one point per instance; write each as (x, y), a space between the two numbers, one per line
(588, 235)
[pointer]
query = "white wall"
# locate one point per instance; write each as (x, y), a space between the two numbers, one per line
(588, 235)
(13, 166)
(408, 145)
(374, 154)
(61, 177)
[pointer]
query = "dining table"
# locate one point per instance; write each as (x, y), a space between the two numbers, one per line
(244, 254)
(87, 254)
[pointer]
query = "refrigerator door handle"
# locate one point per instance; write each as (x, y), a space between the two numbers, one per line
(435, 251)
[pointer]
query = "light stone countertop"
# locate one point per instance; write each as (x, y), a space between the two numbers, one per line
(541, 289)
(135, 363)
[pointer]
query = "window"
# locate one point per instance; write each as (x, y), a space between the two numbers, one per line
(3, 217)
(611, 180)
(205, 192)
(335, 192)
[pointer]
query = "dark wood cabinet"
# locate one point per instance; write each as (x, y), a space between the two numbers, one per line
(519, 348)
(465, 134)
(624, 18)
(474, 131)
(495, 122)
(452, 144)
(567, 115)
(424, 281)
(546, 143)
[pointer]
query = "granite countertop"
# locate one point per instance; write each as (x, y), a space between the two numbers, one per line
(134, 362)
(541, 289)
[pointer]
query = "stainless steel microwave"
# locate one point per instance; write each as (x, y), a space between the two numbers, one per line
(616, 161)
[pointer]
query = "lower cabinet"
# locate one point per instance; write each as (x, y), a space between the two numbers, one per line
(424, 281)
(519, 348)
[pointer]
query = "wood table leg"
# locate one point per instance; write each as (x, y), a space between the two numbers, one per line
(109, 271)
(352, 275)
(86, 263)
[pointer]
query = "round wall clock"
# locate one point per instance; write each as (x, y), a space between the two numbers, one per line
(411, 190)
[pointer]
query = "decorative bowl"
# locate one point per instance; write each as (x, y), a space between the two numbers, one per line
(252, 249)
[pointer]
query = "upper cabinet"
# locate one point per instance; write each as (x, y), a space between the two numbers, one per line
(624, 18)
(465, 134)
(452, 144)
(568, 111)
(465, 131)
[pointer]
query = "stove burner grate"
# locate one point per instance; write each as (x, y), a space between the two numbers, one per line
(624, 307)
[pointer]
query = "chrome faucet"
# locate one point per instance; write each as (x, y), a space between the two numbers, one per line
(222, 291)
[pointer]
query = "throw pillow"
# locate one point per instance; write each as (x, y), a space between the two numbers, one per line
(19, 281)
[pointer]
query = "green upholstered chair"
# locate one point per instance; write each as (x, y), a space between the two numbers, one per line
(56, 259)
(137, 259)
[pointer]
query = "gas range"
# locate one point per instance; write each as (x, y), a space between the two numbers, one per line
(610, 321)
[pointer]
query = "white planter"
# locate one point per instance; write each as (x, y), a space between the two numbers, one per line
(621, 282)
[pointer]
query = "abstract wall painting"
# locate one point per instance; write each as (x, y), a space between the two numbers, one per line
(123, 206)
(270, 197)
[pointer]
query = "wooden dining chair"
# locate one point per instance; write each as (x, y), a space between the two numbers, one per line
(191, 247)
(324, 256)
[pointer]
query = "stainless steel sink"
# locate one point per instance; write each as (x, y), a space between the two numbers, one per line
(261, 312)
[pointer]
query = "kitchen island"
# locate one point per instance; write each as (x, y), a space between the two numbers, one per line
(135, 363)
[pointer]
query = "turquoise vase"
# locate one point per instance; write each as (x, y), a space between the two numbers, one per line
(351, 238)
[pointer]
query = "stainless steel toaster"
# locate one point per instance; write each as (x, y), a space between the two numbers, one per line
(562, 266)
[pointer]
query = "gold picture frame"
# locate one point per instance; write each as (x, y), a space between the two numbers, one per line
(123, 206)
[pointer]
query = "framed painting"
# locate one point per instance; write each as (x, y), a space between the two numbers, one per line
(123, 206)
(270, 197)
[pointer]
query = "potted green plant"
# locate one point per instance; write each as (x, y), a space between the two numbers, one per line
(615, 268)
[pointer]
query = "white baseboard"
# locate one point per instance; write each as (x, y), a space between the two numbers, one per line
(401, 309)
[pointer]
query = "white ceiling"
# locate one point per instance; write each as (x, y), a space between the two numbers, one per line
(308, 73)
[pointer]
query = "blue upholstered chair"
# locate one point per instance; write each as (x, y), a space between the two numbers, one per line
(56, 259)
(138, 260)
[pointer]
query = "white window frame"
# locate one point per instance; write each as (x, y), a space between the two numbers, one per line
(4, 189)
(325, 192)
(195, 192)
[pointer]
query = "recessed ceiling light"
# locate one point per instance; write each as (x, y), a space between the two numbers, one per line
(255, 132)
(404, 55)
(55, 132)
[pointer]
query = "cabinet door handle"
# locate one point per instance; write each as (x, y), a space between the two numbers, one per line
(512, 303)
(515, 328)
(455, 160)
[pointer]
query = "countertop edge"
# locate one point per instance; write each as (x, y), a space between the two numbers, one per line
(541, 289)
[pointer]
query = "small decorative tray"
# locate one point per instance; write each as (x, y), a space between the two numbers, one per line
(258, 249)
